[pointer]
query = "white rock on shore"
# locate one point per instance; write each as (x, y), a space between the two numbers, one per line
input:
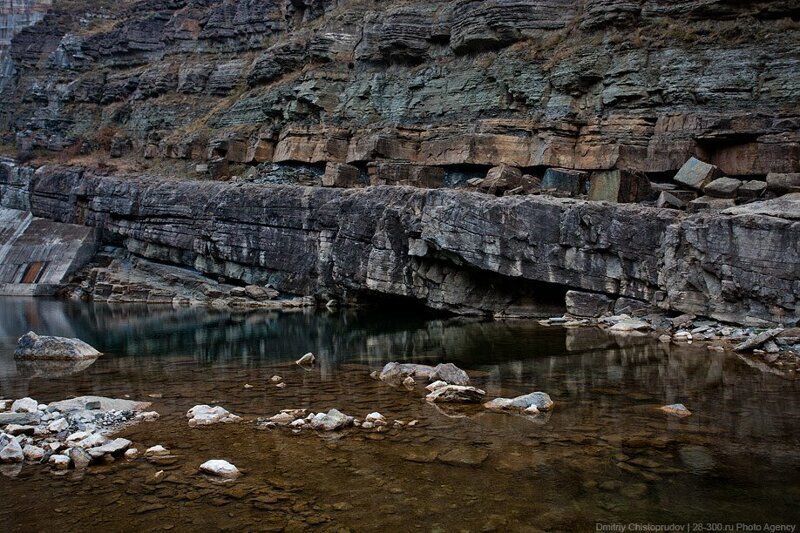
(307, 360)
(456, 394)
(220, 468)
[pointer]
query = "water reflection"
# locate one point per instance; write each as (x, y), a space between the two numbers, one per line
(604, 453)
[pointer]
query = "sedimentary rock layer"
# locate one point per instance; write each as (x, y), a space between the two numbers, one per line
(592, 84)
(453, 250)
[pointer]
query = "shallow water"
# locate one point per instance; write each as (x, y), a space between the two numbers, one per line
(605, 454)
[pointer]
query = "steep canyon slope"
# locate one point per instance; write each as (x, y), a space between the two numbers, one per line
(462, 85)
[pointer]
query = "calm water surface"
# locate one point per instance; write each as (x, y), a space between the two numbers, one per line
(604, 455)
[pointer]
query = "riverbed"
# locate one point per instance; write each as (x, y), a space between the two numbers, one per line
(604, 455)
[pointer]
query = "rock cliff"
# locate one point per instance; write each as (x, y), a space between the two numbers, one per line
(465, 252)
(199, 86)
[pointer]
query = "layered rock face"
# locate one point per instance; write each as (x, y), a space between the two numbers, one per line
(456, 86)
(453, 250)
(15, 15)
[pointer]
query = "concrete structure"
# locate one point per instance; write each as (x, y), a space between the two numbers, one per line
(37, 255)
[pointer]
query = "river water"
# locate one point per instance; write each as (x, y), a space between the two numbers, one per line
(605, 456)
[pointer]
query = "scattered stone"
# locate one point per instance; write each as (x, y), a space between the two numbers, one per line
(696, 174)
(204, 415)
(220, 468)
(33, 346)
(723, 188)
(33, 453)
(80, 458)
(25, 405)
(307, 360)
(60, 462)
(752, 189)
(248, 386)
(114, 448)
(376, 419)
(148, 416)
(409, 383)
(57, 426)
(23, 419)
(783, 183)
(436, 385)
(131, 453)
(16, 429)
(97, 403)
(676, 409)
(629, 325)
(540, 400)
(11, 452)
(92, 441)
(758, 340)
(276, 379)
(281, 385)
(155, 451)
(669, 200)
(331, 421)
(456, 394)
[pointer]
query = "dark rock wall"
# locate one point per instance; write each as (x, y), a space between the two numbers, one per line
(590, 84)
(465, 252)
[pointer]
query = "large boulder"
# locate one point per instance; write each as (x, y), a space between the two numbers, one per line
(723, 188)
(540, 400)
(587, 304)
(696, 174)
(33, 346)
(450, 374)
(783, 183)
(394, 373)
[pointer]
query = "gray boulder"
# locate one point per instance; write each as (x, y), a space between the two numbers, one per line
(456, 394)
(723, 187)
(540, 400)
(33, 346)
(220, 468)
(696, 174)
(115, 447)
(783, 183)
(758, 340)
(394, 373)
(450, 373)
(587, 304)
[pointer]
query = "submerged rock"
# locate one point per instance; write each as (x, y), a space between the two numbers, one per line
(307, 360)
(115, 447)
(676, 409)
(60, 462)
(204, 415)
(33, 346)
(539, 400)
(456, 394)
(220, 468)
(331, 421)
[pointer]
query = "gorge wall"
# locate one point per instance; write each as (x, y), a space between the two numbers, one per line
(465, 252)
(167, 85)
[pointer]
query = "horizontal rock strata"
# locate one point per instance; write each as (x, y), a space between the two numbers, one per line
(451, 250)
